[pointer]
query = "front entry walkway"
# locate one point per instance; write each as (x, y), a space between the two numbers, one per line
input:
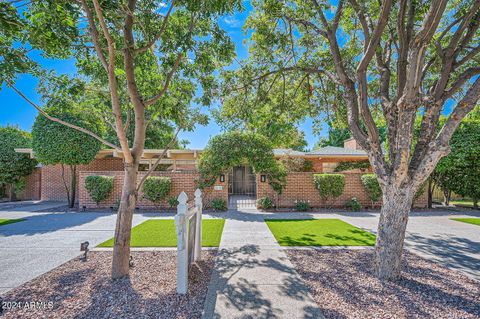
(253, 277)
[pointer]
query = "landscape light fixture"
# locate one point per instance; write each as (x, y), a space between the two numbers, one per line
(84, 248)
(84, 208)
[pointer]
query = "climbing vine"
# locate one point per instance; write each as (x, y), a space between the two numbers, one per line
(239, 148)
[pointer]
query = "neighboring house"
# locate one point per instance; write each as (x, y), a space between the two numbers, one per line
(180, 166)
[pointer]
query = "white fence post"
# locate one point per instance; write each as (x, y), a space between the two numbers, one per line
(182, 253)
(198, 225)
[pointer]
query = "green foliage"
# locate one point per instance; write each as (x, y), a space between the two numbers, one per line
(99, 187)
(460, 170)
(55, 143)
(13, 165)
(238, 148)
(372, 187)
(172, 202)
(156, 188)
(336, 137)
(296, 164)
(219, 204)
(353, 204)
(302, 205)
(265, 203)
(346, 166)
(330, 186)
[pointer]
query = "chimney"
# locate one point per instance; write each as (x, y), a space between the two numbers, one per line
(351, 144)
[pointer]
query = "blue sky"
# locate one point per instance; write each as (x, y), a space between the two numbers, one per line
(15, 111)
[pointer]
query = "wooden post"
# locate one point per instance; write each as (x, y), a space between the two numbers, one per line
(198, 225)
(182, 249)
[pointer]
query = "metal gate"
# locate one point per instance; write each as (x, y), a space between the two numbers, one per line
(242, 181)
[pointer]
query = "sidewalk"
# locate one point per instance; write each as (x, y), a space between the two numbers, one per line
(253, 277)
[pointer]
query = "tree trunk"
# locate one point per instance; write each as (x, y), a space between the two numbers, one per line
(65, 185)
(446, 196)
(12, 196)
(391, 231)
(121, 248)
(431, 187)
(73, 185)
(475, 202)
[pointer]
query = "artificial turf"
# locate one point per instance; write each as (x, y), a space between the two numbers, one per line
(161, 233)
(318, 232)
(10, 221)
(473, 221)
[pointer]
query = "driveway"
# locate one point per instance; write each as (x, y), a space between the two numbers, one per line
(46, 240)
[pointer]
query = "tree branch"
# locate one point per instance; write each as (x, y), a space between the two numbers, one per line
(54, 119)
(160, 33)
(157, 162)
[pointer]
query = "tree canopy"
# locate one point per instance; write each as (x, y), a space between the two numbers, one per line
(460, 170)
(239, 148)
(13, 165)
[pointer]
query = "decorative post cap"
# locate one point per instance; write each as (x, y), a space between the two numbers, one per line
(198, 192)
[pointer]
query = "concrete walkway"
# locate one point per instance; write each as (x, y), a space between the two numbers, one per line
(253, 278)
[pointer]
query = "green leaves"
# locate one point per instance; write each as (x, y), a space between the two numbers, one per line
(330, 186)
(238, 148)
(99, 187)
(55, 143)
(156, 189)
(372, 187)
(14, 166)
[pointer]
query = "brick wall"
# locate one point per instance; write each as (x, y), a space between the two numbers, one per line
(300, 186)
(181, 181)
(52, 187)
(33, 186)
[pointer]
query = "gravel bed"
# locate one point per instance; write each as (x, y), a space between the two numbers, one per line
(79, 289)
(344, 286)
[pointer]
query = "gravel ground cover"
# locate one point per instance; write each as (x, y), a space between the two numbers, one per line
(79, 289)
(343, 284)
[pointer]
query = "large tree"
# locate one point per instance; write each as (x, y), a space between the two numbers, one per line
(14, 166)
(460, 170)
(393, 59)
(54, 143)
(146, 59)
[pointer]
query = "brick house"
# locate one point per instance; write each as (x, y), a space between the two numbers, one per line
(46, 183)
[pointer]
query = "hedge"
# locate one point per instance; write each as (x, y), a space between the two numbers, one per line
(330, 186)
(156, 189)
(372, 187)
(99, 187)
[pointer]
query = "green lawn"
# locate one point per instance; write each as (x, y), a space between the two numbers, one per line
(463, 202)
(318, 232)
(473, 221)
(10, 221)
(161, 233)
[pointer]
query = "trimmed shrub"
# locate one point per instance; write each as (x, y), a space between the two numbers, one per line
(157, 188)
(372, 187)
(219, 204)
(265, 203)
(330, 186)
(172, 202)
(302, 205)
(99, 187)
(353, 204)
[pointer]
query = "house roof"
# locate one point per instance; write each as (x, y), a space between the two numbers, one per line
(336, 151)
(286, 152)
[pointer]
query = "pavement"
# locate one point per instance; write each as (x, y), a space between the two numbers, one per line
(253, 277)
(46, 240)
